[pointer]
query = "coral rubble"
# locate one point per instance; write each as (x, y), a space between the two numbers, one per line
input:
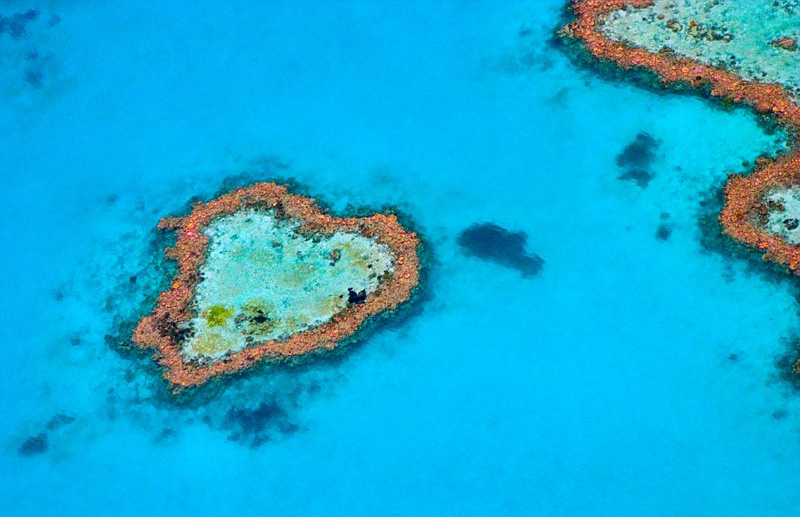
(266, 275)
(681, 41)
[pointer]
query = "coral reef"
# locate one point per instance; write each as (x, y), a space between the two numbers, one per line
(759, 209)
(265, 275)
(750, 38)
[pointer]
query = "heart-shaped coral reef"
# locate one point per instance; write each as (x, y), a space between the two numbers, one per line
(266, 275)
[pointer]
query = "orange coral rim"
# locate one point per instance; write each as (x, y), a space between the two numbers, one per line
(743, 194)
(160, 329)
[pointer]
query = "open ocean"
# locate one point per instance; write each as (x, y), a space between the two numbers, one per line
(639, 373)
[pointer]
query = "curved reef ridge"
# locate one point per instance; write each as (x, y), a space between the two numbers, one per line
(761, 209)
(266, 275)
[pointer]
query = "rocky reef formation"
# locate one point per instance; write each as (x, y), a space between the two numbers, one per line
(750, 38)
(729, 51)
(266, 275)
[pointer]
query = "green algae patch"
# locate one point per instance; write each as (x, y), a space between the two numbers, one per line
(217, 315)
(212, 343)
(257, 318)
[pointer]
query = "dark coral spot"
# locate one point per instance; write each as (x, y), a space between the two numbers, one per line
(255, 426)
(637, 157)
(34, 78)
(641, 153)
(663, 232)
(167, 435)
(728, 274)
(641, 177)
(785, 364)
(536, 60)
(356, 297)
(780, 414)
(16, 24)
(59, 421)
(488, 241)
(34, 445)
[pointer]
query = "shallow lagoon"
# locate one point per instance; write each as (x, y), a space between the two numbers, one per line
(631, 375)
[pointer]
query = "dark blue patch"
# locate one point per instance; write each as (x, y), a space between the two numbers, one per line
(59, 421)
(255, 427)
(15, 25)
(637, 158)
(488, 241)
(34, 77)
(641, 177)
(780, 414)
(34, 445)
(663, 232)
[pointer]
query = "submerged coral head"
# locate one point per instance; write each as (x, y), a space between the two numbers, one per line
(489, 241)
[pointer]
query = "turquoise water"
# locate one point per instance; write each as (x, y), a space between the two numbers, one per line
(632, 376)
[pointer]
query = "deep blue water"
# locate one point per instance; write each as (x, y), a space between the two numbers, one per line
(632, 376)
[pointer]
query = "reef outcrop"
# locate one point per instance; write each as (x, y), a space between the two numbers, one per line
(489, 241)
(266, 275)
(761, 209)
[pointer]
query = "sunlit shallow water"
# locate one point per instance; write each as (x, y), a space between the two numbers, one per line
(633, 375)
